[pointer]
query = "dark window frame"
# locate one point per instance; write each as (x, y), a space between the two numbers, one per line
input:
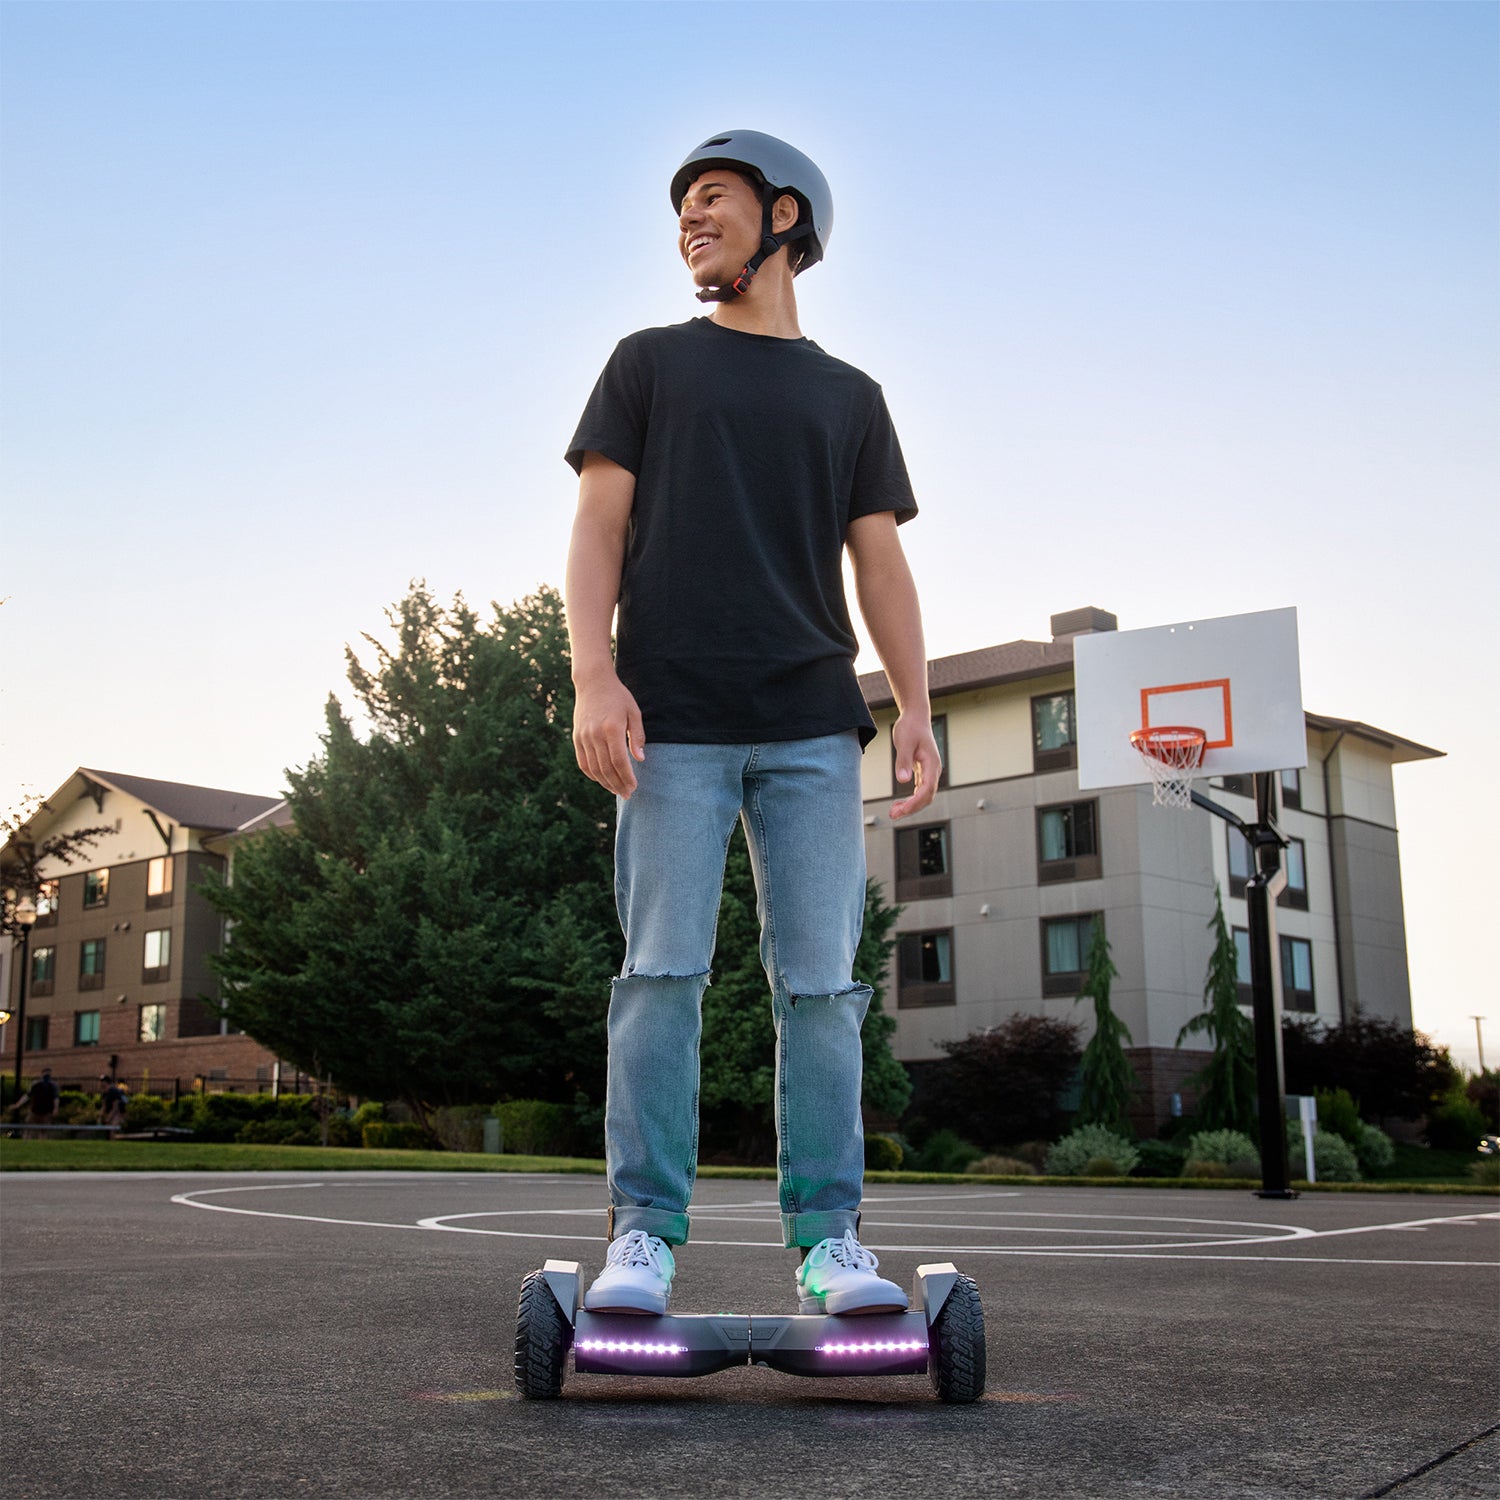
(1292, 998)
(1060, 757)
(1294, 896)
(92, 979)
(46, 910)
(1243, 987)
(1291, 796)
(1064, 981)
(1085, 865)
(39, 987)
(162, 971)
(36, 1033)
(916, 993)
(140, 1021)
(100, 888)
(161, 898)
(78, 1019)
(911, 884)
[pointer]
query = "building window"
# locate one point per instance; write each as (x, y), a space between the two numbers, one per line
(46, 903)
(91, 964)
(153, 1023)
(1297, 975)
(96, 888)
(1065, 952)
(1291, 788)
(926, 960)
(1294, 892)
(1067, 842)
(922, 864)
(86, 1028)
(36, 1033)
(1054, 733)
(43, 970)
(1241, 866)
(159, 881)
(940, 734)
(1241, 937)
(158, 961)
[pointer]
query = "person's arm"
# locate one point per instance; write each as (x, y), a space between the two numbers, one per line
(607, 727)
(887, 597)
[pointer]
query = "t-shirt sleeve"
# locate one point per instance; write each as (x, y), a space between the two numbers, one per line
(880, 478)
(614, 421)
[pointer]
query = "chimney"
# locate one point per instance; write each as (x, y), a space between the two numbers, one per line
(1076, 622)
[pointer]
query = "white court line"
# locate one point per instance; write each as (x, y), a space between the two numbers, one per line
(442, 1224)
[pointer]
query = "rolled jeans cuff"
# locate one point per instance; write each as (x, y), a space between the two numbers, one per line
(662, 1222)
(798, 1231)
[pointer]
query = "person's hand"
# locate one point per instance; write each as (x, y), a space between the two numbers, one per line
(917, 761)
(608, 732)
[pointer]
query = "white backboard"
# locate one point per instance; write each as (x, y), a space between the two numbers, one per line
(1237, 678)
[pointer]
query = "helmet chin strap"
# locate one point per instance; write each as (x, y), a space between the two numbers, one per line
(770, 243)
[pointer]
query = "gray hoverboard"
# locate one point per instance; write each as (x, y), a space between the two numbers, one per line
(942, 1337)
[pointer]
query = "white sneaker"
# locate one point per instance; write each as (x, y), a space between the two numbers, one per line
(838, 1276)
(637, 1276)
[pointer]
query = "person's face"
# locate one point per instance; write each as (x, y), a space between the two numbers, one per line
(719, 226)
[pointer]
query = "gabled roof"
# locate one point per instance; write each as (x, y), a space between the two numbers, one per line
(969, 670)
(1401, 749)
(204, 807)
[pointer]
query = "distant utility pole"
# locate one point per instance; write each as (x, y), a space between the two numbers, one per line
(1479, 1035)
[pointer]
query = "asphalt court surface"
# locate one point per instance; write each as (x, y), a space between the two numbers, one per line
(349, 1334)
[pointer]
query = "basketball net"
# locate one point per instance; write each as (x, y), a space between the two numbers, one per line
(1173, 755)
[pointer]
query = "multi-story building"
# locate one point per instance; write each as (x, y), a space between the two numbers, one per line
(118, 962)
(1003, 877)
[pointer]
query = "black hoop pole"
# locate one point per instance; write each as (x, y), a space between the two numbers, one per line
(1261, 890)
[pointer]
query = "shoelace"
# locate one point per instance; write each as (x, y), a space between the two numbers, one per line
(850, 1253)
(634, 1250)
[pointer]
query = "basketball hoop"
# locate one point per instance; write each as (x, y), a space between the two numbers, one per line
(1173, 754)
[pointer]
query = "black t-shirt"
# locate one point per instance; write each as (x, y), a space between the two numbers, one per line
(751, 456)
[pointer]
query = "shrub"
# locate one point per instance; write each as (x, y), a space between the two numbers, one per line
(1102, 1166)
(1334, 1158)
(1223, 1146)
(1339, 1114)
(1003, 1084)
(1486, 1171)
(1034, 1152)
(396, 1135)
(1001, 1166)
(74, 1107)
(1483, 1091)
(145, 1112)
(460, 1127)
(883, 1153)
(945, 1151)
(1374, 1148)
(533, 1127)
(1159, 1159)
(1205, 1169)
(1091, 1144)
(280, 1132)
(1456, 1123)
(369, 1111)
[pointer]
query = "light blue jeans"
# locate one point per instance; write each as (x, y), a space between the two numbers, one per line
(799, 801)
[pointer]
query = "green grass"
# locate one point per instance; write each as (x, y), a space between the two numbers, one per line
(186, 1156)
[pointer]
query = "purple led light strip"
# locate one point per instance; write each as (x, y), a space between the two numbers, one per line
(883, 1346)
(627, 1346)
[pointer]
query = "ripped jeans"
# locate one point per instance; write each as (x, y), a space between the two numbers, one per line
(799, 801)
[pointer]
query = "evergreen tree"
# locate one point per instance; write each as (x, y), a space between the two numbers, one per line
(1108, 1080)
(440, 926)
(1226, 1083)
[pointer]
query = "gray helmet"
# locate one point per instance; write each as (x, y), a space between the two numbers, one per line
(777, 165)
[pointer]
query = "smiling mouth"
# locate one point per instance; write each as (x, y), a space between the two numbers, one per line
(697, 243)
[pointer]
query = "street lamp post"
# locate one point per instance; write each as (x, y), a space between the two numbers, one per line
(1479, 1037)
(23, 911)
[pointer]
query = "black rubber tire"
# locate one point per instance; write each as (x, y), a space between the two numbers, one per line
(956, 1363)
(543, 1339)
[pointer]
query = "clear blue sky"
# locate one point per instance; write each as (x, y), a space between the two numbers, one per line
(301, 301)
